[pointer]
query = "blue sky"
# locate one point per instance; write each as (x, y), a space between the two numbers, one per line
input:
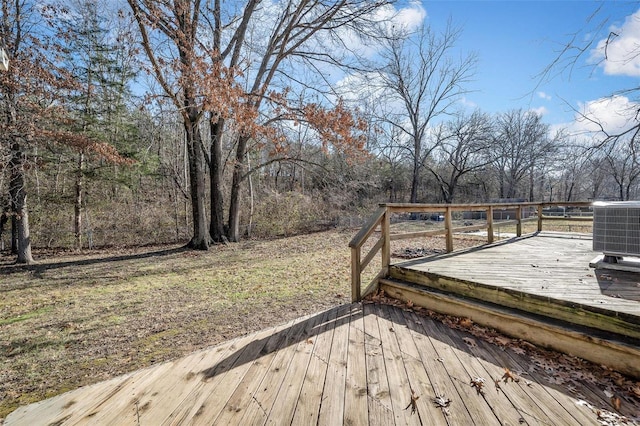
(516, 40)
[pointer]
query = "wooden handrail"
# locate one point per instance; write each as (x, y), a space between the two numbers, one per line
(381, 219)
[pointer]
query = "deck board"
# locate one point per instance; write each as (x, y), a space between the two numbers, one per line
(353, 364)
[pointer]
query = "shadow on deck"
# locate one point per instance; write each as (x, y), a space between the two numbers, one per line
(354, 364)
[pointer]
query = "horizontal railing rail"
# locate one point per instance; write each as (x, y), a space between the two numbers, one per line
(381, 221)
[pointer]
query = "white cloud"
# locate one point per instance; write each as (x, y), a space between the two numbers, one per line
(543, 95)
(612, 115)
(619, 53)
(540, 111)
(468, 103)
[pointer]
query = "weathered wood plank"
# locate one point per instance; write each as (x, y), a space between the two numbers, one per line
(264, 396)
(399, 387)
(546, 275)
(509, 404)
(310, 398)
(378, 397)
(283, 409)
(462, 392)
(505, 409)
(235, 405)
(205, 399)
(332, 408)
(418, 378)
(355, 399)
(441, 382)
(554, 402)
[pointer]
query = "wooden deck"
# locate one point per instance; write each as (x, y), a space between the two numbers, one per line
(354, 364)
(539, 288)
(548, 265)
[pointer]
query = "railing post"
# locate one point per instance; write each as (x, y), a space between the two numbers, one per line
(386, 242)
(490, 225)
(355, 274)
(519, 221)
(449, 227)
(539, 217)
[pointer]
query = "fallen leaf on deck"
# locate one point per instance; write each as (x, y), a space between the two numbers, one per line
(616, 402)
(412, 403)
(466, 323)
(478, 383)
(441, 401)
(469, 341)
(508, 375)
(518, 351)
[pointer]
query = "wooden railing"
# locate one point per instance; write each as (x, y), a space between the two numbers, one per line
(381, 221)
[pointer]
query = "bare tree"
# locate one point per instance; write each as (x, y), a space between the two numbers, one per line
(421, 81)
(463, 146)
(623, 165)
(520, 141)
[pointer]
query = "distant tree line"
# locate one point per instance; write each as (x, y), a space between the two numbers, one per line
(206, 121)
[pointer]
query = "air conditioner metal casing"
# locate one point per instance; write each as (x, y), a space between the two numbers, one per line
(616, 228)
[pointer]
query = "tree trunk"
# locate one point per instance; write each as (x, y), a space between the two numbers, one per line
(234, 201)
(531, 185)
(200, 239)
(18, 196)
(216, 226)
(415, 176)
(77, 222)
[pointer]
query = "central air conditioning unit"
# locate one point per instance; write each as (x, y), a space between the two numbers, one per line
(616, 229)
